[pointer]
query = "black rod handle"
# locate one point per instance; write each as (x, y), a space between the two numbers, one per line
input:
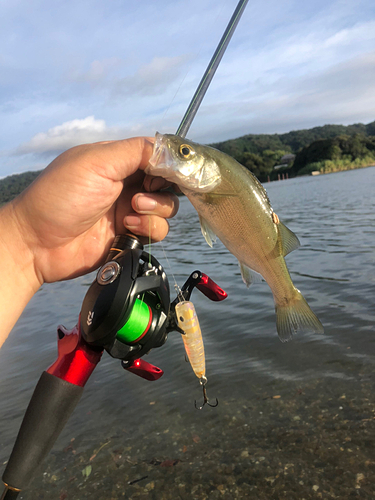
(9, 494)
(50, 407)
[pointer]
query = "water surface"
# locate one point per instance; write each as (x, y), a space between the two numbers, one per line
(315, 437)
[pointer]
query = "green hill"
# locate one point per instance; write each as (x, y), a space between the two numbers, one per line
(326, 149)
(339, 153)
(291, 141)
(13, 185)
(261, 152)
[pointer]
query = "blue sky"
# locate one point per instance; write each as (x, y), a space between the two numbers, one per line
(76, 71)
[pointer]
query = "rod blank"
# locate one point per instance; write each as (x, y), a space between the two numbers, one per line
(210, 71)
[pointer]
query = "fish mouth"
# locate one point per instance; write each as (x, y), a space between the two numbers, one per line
(188, 175)
(158, 164)
(163, 163)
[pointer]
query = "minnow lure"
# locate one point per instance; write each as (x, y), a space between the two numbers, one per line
(187, 321)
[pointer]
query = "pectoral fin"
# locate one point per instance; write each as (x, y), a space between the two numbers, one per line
(207, 232)
(289, 240)
(249, 276)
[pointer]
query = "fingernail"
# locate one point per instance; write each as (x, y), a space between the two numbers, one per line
(132, 221)
(145, 204)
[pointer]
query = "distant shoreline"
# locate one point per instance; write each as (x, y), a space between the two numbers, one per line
(320, 173)
(335, 171)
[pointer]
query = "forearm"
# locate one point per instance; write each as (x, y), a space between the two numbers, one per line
(18, 278)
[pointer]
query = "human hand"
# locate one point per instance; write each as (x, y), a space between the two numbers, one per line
(70, 215)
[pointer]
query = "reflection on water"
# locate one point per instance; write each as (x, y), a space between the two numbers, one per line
(333, 216)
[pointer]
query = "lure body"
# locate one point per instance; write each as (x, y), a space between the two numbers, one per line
(187, 320)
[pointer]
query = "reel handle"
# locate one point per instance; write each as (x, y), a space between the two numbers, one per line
(211, 289)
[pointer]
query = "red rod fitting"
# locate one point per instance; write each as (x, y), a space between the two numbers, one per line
(76, 359)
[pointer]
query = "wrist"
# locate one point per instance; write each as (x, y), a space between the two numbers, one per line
(19, 279)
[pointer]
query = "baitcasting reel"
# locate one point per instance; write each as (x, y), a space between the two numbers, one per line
(127, 309)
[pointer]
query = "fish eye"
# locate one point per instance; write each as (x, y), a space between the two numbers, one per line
(185, 150)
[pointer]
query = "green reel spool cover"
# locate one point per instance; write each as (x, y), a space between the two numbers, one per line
(138, 323)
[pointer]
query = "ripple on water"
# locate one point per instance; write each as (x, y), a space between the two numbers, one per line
(334, 269)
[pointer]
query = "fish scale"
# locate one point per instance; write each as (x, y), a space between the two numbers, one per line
(235, 236)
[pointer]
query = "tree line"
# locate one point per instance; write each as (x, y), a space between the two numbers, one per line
(324, 149)
(13, 185)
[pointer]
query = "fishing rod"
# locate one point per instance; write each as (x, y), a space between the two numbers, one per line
(127, 311)
(211, 70)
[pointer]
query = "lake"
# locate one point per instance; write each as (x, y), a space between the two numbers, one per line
(294, 420)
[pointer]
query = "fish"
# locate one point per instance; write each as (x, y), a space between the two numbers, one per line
(234, 206)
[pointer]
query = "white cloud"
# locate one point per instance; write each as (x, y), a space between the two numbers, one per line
(124, 64)
(343, 94)
(299, 52)
(360, 32)
(100, 71)
(69, 134)
(151, 78)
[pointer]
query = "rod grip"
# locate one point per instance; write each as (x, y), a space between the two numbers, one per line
(9, 494)
(50, 407)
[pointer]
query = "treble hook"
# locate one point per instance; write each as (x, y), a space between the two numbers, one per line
(203, 382)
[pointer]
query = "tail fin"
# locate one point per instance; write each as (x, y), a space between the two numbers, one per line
(296, 317)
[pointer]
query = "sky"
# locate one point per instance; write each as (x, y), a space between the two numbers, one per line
(78, 71)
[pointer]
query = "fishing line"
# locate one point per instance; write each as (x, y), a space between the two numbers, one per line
(174, 97)
(214, 23)
(203, 86)
(210, 71)
(149, 241)
(176, 286)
